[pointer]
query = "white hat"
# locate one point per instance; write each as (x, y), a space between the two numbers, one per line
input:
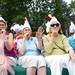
(49, 23)
(72, 28)
(47, 26)
(26, 24)
(1, 19)
(21, 26)
(16, 28)
(49, 15)
(54, 21)
(12, 28)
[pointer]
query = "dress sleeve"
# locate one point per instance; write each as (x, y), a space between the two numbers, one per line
(19, 43)
(66, 44)
(47, 45)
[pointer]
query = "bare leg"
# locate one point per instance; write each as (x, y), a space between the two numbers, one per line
(41, 71)
(31, 71)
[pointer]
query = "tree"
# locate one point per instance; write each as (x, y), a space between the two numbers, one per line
(13, 10)
(38, 10)
(34, 10)
(72, 5)
(62, 12)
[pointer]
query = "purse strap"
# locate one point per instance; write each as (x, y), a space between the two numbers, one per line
(56, 45)
(59, 47)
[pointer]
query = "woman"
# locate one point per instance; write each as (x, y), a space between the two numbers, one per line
(7, 41)
(58, 52)
(71, 37)
(28, 49)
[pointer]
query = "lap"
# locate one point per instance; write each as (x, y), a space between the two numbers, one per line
(60, 59)
(32, 61)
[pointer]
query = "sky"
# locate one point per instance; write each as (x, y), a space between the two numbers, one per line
(68, 1)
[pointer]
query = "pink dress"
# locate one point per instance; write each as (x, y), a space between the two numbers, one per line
(5, 61)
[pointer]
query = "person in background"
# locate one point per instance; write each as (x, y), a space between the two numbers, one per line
(28, 49)
(71, 28)
(6, 40)
(18, 35)
(71, 38)
(18, 30)
(57, 51)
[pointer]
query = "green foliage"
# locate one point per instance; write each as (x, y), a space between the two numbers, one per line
(35, 10)
(72, 5)
(62, 12)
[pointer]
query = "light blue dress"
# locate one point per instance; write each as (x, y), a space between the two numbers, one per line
(31, 57)
(30, 46)
(71, 41)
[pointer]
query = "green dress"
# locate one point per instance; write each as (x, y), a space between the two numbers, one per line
(58, 47)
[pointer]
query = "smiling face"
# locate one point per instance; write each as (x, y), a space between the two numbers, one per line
(2, 26)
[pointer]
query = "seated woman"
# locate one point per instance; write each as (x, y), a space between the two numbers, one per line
(58, 53)
(71, 37)
(7, 41)
(28, 49)
(17, 29)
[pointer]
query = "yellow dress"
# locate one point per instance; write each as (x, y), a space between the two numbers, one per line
(58, 47)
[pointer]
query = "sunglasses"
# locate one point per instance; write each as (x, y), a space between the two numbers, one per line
(57, 25)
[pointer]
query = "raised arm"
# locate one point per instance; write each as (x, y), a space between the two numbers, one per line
(9, 41)
(39, 35)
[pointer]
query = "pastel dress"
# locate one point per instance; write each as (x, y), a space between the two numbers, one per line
(3, 61)
(57, 56)
(6, 62)
(31, 56)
